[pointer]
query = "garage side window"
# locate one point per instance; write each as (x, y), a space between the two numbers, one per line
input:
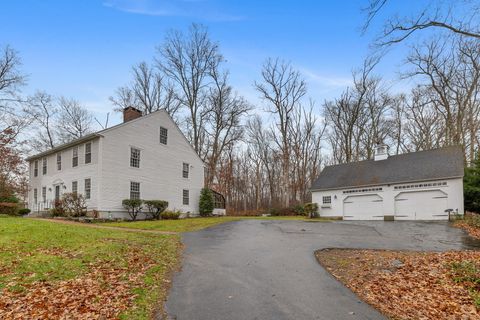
(327, 199)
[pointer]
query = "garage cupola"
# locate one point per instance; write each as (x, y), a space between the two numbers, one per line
(381, 152)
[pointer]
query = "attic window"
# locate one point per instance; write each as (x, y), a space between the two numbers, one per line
(163, 135)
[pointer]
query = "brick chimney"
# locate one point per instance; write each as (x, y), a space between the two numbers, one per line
(130, 113)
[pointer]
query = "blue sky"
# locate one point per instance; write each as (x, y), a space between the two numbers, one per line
(84, 49)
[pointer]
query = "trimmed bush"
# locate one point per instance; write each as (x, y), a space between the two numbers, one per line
(155, 208)
(311, 210)
(133, 206)
(23, 211)
(170, 215)
(206, 204)
(299, 210)
(8, 208)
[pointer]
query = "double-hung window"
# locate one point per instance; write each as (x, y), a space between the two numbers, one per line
(163, 135)
(35, 168)
(134, 157)
(74, 187)
(185, 171)
(44, 194)
(327, 199)
(35, 196)
(59, 161)
(88, 152)
(186, 197)
(134, 190)
(88, 188)
(75, 156)
(44, 165)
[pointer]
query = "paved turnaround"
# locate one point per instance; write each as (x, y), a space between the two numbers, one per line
(266, 269)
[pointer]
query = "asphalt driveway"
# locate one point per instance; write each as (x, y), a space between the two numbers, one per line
(254, 269)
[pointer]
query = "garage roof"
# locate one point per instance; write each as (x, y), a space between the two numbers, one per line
(433, 164)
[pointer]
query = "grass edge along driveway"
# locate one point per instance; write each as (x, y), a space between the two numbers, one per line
(194, 224)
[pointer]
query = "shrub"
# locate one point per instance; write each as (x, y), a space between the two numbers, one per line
(299, 210)
(23, 211)
(57, 210)
(133, 206)
(155, 208)
(74, 204)
(170, 215)
(9, 199)
(311, 209)
(206, 204)
(9, 208)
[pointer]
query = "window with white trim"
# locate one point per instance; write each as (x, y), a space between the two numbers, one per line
(134, 190)
(186, 197)
(44, 194)
(88, 152)
(35, 196)
(134, 157)
(327, 199)
(88, 187)
(44, 165)
(75, 156)
(74, 187)
(35, 168)
(59, 161)
(163, 135)
(185, 170)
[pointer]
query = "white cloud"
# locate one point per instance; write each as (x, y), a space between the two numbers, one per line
(202, 9)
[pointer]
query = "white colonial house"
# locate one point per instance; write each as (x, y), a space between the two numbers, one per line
(423, 185)
(145, 157)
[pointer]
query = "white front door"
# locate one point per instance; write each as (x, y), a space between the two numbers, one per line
(363, 207)
(421, 205)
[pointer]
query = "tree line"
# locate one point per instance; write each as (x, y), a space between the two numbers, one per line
(267, 155)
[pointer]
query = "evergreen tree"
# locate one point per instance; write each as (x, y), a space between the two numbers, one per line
(471, 185)
(206, 202)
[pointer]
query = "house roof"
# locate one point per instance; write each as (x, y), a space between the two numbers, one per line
(433, 164)
(100, 134)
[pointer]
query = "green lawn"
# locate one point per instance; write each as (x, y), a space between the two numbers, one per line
(105, 268)
(193, 224)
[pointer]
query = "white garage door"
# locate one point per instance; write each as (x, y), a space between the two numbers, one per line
(421, 205)
(364, 207)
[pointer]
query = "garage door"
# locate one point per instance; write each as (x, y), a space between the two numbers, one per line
(363, 207)
(421, 205)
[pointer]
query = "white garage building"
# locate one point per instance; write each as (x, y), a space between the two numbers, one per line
(413, 186)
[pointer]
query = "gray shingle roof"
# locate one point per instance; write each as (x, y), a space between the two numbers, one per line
(408, 167)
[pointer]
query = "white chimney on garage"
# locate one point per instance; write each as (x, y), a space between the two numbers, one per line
(381, 151)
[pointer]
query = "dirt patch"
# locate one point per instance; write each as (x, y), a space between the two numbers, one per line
(408, 285)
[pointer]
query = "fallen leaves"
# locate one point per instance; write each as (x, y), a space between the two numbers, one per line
(405, 285)
(102, 293)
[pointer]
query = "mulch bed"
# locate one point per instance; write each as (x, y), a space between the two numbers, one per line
(407, 285)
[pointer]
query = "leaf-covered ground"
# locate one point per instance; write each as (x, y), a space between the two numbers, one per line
(471, 224)
(410, 285)
(56, 271)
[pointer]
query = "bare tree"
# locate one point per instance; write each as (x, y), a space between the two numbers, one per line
(224, 127)
(282, 88)
(74, 120)
(11, 82)
(41, 107)
(457, 17)
(148, 92)
(188, 60)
